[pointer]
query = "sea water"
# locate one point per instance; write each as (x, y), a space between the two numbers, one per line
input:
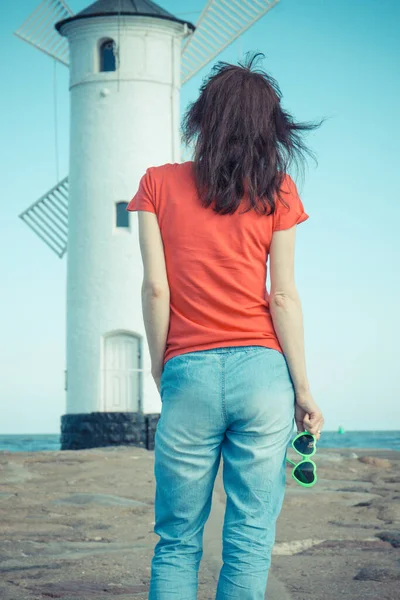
(386, 440)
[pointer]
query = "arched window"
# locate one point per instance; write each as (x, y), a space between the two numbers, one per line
(122, 215)
(107, 56)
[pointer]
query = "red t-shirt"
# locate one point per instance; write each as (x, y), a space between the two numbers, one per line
(216, 264)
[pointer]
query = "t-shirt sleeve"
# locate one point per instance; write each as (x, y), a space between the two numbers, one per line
(144, 199)
(283, 217)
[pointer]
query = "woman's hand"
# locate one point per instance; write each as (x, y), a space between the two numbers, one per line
(308, 415)
(157, 380)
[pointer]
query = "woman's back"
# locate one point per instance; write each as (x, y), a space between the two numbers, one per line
(216, 263)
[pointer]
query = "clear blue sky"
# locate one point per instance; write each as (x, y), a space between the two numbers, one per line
(331, 58)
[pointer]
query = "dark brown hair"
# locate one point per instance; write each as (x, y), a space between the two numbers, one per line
(242, 134)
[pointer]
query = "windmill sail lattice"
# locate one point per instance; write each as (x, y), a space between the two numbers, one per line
(220, 23)
(48, 217)
(38, 29)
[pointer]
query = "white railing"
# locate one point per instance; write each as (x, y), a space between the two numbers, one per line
(220, 23)
(48, 217)
(39, 31)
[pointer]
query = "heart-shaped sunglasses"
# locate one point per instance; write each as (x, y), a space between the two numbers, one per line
(304, 472)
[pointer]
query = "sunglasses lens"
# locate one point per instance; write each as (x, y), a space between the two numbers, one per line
(305, 473)
(304, 444)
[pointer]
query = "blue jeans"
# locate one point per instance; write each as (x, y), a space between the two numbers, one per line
(238, 402)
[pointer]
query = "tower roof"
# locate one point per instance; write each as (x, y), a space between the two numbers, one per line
(105, 8)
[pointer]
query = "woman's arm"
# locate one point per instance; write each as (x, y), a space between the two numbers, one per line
(285, 306)
(287, 317)
(155, 290)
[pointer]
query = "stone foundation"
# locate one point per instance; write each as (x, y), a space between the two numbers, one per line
(98, 429)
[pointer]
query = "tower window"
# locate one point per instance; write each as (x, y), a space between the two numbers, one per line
(122, 214)
(108, 55)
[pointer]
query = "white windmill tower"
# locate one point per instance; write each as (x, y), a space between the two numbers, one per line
(128, 60)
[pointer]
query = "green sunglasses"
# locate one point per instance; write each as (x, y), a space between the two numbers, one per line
(304, 472)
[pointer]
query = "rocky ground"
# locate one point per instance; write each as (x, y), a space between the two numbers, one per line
(78, 525)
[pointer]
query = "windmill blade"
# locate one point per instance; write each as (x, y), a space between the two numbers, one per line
(48, 217)
(39, 30)
(220, 23)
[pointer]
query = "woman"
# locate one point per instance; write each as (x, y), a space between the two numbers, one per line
(227, 357)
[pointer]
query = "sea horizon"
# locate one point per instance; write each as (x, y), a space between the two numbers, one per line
(388, 439)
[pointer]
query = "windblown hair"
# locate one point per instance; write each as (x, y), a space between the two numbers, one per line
(244, 139)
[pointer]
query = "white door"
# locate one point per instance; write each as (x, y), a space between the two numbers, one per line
(121, 372)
